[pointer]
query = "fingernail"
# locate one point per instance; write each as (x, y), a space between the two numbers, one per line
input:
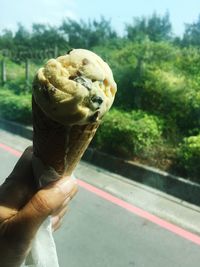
(54, 220)
(67, 186)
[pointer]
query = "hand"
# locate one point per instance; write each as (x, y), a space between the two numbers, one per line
(23, 209)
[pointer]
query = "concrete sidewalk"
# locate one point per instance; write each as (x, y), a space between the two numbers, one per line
(156, 202)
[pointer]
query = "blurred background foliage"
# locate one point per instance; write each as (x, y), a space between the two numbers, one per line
(156, 114)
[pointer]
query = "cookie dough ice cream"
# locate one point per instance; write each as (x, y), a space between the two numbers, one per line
(77, 88)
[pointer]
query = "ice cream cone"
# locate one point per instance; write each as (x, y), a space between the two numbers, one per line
(59, 146)
(71, 94)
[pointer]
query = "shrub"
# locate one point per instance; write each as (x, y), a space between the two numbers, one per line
(159, 78)
(131, 62)
(173, 96)
(189, 156)
(15, 107)
(128, 134)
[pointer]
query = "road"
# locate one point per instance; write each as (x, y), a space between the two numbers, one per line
(102, 230)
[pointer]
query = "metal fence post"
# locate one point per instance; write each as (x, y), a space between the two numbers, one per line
(3, 72)
(55, 51)
(27, 72)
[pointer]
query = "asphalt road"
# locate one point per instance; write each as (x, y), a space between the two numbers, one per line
(99, 233)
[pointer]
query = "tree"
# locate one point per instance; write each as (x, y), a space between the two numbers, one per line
(101, 31)
(76, 33)
(6, 39)
(22, 37)
(46, 36)
(192, 34)
(156, 28)
(87, 34)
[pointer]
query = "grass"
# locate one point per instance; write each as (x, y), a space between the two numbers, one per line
(16, 75)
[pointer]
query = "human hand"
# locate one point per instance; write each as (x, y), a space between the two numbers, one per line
(23, 209)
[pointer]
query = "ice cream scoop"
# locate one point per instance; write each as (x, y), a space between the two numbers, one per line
(77, 88)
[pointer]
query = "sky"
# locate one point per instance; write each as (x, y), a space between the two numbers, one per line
(120, 12)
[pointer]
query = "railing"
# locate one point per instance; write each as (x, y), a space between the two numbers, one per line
(23, 56)
(20, 55)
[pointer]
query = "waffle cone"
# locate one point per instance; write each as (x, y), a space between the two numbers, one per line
(57, 146)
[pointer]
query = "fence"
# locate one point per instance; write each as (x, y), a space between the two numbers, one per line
(19, 55)
(23, 57)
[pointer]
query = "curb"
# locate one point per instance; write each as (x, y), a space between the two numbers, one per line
(16, 128)
(163, 181)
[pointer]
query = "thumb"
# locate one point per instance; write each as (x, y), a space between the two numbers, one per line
(43, 203)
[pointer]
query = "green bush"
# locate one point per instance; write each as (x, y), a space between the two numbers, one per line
(189, 156)
(130, 64)
(15, 107)
(174, 97)
(158, 78)
(128, 134)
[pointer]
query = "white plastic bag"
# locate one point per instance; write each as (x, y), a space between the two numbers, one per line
(43, 252)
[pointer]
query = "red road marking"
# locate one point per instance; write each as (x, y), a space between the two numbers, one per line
(10, 150)
(141, 213)
(129, 207)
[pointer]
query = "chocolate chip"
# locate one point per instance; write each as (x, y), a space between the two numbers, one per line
(85, 61)
(73, 77)
(69, 51)
(84, 81)
(94, 117)
(97, 99)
